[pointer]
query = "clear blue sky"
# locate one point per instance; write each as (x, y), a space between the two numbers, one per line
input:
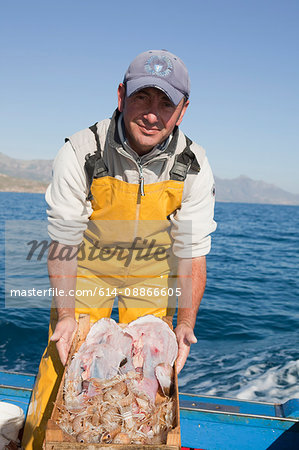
(61, 62)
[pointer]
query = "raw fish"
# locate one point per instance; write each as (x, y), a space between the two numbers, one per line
(154, 343)
(147, 346)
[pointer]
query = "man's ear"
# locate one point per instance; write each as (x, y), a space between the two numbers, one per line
(121, 94)
(185, 106)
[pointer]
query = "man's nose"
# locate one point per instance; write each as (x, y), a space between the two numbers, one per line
(152, 114)
(152, 117)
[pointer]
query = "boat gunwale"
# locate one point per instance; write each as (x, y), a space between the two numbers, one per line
(249, 415)
(231, 399)
(246, 415)
(18, 373)
(15, 388)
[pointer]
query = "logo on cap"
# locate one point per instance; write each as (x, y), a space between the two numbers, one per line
(161, 67)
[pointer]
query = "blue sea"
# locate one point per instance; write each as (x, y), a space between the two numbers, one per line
(248, 322)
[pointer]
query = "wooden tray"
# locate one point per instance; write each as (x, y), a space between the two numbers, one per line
(56, 438)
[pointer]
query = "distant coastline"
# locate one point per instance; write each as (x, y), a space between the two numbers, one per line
(11, 184)
(33, 176)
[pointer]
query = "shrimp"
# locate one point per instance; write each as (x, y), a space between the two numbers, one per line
(115, 393)
(108, 437)
(87, 437)
(73, 395)
(111, 417)
(127, 417)
(122, 438)
(102, 384)
(127, 400)
(80, 423)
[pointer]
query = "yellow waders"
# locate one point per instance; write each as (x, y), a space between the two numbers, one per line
(122, 215)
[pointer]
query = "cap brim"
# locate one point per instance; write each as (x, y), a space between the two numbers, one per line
(143, 82)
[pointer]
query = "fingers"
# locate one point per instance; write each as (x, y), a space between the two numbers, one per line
(190, 337)
(56, 335)
(63, 336)
(63, 348)
(182, 357)
(184, 349)
(185, 338)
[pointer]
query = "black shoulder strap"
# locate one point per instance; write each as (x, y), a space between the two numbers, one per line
(183, 162)
(93, 128)
(94, 164)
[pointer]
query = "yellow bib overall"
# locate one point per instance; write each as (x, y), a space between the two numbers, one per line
(121, 217)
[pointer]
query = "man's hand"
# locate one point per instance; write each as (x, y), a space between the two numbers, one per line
(185, 338)
(63, 336)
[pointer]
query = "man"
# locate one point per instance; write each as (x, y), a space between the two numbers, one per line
(130, 213)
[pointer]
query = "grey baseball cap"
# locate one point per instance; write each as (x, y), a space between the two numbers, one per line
(160, 69)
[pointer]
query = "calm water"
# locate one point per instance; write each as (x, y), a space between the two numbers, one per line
(247, 327)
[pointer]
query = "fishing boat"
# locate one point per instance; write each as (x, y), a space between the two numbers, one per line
(207, 422)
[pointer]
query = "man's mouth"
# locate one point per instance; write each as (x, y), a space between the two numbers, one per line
(149, 131)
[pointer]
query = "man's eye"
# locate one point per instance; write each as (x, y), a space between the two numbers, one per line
(140, 97)
(168, 104)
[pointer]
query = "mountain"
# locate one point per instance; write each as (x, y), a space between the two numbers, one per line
(11, 184)
(20, 175)
(246, 190)
(36, 169)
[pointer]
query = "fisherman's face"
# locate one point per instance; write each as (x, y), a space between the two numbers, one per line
(149, 117)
